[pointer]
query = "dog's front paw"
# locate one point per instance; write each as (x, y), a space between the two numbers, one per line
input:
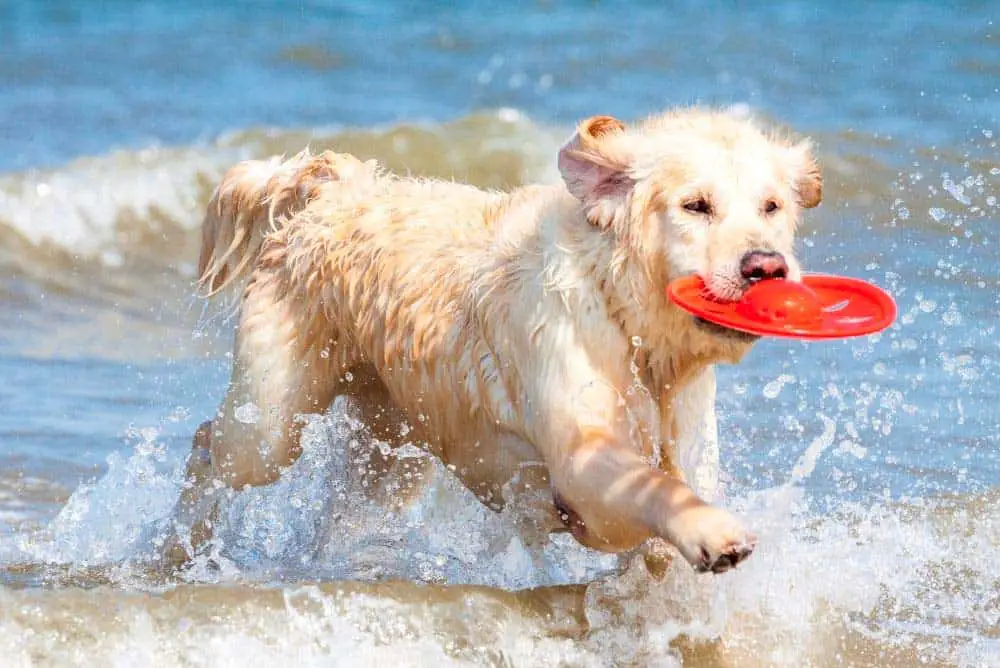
(711, 539)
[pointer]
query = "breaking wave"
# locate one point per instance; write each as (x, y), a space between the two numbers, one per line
(890, 583)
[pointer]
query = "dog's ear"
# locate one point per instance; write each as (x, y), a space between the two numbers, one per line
(593, 164)
(807, 182)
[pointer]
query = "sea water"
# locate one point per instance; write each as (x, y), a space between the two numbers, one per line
(869, 468)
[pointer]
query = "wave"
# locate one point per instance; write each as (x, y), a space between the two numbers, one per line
(881, 584)
(132, 206)
(141, 206)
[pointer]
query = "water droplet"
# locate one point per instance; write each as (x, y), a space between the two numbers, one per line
(773, 389)
(957, 191)
(952, 317)
(248, 413)
(852, 448)
(179, 413)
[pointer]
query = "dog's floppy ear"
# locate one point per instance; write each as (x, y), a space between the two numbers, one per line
(594, 165)
(807, 180)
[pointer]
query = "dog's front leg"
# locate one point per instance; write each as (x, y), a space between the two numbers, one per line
(614, 499)
(690, 432)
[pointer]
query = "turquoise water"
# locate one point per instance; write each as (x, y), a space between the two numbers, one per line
(871, 463)
(81, 77)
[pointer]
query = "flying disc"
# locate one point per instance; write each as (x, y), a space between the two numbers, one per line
(820, 307)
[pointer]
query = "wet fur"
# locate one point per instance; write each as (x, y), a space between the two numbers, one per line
(526, 336)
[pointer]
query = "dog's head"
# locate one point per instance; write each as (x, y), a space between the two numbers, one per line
(695, 192)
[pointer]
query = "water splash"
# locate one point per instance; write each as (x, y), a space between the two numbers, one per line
(821, 581)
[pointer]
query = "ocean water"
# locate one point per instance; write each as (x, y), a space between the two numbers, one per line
(870, 468)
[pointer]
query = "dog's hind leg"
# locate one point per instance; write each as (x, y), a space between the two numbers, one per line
(288, 361)
(195, 511)
(392, 474)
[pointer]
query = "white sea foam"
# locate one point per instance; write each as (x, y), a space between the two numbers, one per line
(902, 579)
(91, 206)
(78, 206)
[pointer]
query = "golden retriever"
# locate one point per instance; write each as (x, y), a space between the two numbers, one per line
(525, 336)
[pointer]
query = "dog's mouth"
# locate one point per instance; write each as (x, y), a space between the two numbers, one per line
(724, 332)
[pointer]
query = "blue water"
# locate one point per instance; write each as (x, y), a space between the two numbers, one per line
(906, 88)
(81, 77)
(116, 118)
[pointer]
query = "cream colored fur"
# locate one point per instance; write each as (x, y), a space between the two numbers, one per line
(525, 335)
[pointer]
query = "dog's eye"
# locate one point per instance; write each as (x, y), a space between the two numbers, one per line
(771, 206)
(699, 205)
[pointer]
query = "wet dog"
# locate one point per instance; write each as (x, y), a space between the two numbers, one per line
(525, 336)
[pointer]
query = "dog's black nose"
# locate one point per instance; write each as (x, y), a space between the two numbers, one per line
(760, 265)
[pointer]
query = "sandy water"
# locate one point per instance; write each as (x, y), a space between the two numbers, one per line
(869, 468)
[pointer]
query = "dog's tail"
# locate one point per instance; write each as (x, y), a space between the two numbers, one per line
(256, 198)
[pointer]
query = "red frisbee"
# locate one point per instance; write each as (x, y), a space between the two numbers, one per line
(820, 307)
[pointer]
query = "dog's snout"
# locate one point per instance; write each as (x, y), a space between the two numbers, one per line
(761, 265)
